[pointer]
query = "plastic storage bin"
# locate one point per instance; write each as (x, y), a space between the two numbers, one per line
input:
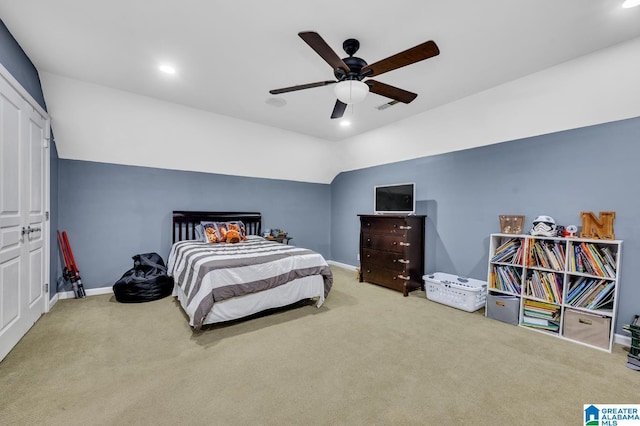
(467, 294)
(503, 308)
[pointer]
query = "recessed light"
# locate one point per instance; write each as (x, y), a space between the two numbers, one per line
(631, 3)
(167, 69)
(345, 123)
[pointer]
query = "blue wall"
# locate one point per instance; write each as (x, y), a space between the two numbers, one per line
(112, 212)
(561, 174)
(19, 65)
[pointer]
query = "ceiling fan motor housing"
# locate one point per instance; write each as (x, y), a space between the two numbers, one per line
(355, 65)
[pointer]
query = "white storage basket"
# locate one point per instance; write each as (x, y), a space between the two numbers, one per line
(467, 294)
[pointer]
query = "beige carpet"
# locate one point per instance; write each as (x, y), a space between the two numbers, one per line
(367, 357)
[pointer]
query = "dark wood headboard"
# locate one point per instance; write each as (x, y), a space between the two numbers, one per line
(184, 222)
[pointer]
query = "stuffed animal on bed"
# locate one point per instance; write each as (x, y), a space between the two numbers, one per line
(238, 226)
(233, 236)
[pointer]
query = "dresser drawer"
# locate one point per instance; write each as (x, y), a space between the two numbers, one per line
(393, 243)
(385, 226)
(385, 277)
(389, 260)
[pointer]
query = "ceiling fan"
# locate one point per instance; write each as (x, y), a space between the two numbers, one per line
(351, 71)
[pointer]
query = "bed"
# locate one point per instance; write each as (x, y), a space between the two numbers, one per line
(219, 282)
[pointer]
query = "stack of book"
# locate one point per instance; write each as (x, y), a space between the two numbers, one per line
(547, 254)
(591, 293)
(545, 286)
(593, 260)
(541, 315)
(633, 359)
(509, 252)
(506, 278)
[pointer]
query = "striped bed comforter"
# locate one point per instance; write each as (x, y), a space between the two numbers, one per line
(209, 273)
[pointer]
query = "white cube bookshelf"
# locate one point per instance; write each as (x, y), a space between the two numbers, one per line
(565, 287)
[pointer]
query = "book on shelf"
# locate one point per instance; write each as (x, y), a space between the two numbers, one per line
(591, 259)
(588, 293)
(591, 293)
(575, 287)
(541, 315)
(547, 254)
(605, 303)
(545, 285)
(594, 258)
(541, 309)
(509, 252)
(606, 251)
(535, 320)
(540, 323)
(603, 298)
(506, 278)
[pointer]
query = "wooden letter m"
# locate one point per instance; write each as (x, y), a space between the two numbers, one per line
(600, 228)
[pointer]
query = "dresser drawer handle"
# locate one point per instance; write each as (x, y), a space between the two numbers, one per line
(406, 262)
(405, 244)
(405, 227)
(395, 243)
(402, 277)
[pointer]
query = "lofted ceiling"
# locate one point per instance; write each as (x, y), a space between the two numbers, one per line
(228, 55)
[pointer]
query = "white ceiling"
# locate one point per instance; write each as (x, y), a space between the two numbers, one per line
(230, 54)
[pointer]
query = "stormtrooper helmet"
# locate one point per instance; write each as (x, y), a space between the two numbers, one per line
(545, 226)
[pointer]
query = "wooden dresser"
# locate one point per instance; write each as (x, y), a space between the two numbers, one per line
(392, 251)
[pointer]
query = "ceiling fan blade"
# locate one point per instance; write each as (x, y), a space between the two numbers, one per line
(338, 109)
(301, 87)
(390, 91)
(410, 56)
(321, 47)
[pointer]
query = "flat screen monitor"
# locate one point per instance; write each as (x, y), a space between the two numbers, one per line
(397, 198)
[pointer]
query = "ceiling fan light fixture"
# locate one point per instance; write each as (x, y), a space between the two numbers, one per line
(351, 91)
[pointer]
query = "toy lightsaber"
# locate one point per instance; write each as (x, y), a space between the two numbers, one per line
(70, 272)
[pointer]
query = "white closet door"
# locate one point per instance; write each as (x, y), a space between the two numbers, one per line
(33, 241)
(23, 229)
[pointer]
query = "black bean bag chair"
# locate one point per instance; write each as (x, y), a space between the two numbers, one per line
(146, 281)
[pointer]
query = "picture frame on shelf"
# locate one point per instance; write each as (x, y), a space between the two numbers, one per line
(511, 223)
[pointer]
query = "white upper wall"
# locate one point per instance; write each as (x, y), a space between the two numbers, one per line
(595, 89)
(96, 123)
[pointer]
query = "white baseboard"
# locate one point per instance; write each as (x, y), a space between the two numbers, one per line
(88, 292)
(342, 265)
(621, 339)
(53, 301)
